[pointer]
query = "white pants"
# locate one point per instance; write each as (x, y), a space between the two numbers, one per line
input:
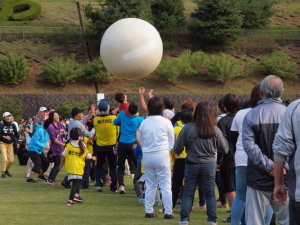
(157, 171)
(257, 203)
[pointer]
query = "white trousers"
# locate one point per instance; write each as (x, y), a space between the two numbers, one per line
(157, 172)
(257, 203)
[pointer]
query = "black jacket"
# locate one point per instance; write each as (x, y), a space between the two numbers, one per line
(8, 129)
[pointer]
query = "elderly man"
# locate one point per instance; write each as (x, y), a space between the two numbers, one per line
(40, 120)
(286, 147)
(259, 128)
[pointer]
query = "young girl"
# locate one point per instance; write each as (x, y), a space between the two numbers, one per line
(74, 158)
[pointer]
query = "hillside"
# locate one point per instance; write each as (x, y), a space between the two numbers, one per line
(38, 51)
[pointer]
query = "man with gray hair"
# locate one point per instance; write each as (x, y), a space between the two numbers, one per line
(259, 128)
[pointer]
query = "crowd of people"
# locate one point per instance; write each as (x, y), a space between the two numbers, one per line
(248, 150)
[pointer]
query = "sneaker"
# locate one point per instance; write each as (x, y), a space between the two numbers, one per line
(70, 202)
(121, 189)
(3, 176)
(227, 220)
(51, 182)
(42, 177)
(8, 174)
(106, 182)
(78, 199)
(211, 223)
(30, 180)
(66, 184)
(225, 206)
(99, 189)
(150, 215)
(142, 200)
(199, 207)
(184, 222)
(169, 216)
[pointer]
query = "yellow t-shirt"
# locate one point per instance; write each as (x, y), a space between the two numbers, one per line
(106, 131)
(74, 163)
(88, 145)
(177, 131)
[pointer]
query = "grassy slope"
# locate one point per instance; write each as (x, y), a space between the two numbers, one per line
(28, 203)
(52, 14)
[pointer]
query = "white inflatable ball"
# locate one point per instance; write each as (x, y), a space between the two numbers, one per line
(131, 49)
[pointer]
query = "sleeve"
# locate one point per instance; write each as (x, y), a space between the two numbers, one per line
(252, 149)
(1, 130)
(222, 144)
(52, 133)
(117, 121)
(181, 141)
(171, 136)
(284, 143)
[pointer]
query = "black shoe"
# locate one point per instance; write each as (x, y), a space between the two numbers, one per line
(169, 216)
(66, 184)
(8, 174)
(42, 177)
(30, 180)
(150, 215)
(3, 176)
(228, 220)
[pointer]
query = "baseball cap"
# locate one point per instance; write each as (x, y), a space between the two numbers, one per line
(76, 111)
(6, 114)
(103, 105)
(43, 109)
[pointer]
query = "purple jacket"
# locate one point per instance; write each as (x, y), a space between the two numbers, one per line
(54, 134)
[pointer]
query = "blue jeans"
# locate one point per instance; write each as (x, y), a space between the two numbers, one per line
(203, 175)
(238, 206)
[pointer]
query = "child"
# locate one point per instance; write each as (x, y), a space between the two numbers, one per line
(122, 99)
(74, 157)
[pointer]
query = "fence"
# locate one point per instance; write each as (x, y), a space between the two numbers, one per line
(73, 34)
(30, 103)
(49, 34)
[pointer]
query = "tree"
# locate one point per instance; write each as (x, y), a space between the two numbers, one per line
(256, 13)
(168, 14)
(216, 21)
(112, 11)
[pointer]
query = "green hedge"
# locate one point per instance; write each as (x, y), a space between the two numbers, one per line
(27, 10)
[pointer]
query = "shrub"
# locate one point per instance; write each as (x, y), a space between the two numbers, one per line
(12, 105)
(96, 71)
(223, 68)
(13, 69)
(187, 64)
(279, 64)
(27, 10)
(64, 108)
(60, 71)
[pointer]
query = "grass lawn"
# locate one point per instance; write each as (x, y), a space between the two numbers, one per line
(38, 203)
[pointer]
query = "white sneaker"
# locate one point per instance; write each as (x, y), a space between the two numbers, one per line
(184, 222)
(99, 189)
(121, 189)
(211, 223)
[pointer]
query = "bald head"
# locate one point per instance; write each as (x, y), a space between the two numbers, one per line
(271, 86)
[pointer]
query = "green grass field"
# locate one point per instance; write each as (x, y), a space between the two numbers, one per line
(38, 203)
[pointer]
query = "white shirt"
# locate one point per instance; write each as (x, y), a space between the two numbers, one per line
(156, 134)
(240, 156)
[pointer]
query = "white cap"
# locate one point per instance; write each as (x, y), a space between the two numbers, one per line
(6, 114)
(42, 109)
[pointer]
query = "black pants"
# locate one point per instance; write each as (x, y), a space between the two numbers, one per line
(178, 175)
(221, 188)
(39, 160)
(125, 151)
(75, 188)
(86, 173)
(55, 169)
(294, 208)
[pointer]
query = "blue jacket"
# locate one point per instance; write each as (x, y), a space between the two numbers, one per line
(138, 154)
(129, 125)
(39, 140)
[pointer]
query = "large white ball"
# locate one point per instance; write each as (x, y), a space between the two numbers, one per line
(131, 48)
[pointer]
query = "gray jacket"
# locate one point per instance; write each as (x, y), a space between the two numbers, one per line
(286, 146)
(201, 150)
(259, 128)
(77, 123)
